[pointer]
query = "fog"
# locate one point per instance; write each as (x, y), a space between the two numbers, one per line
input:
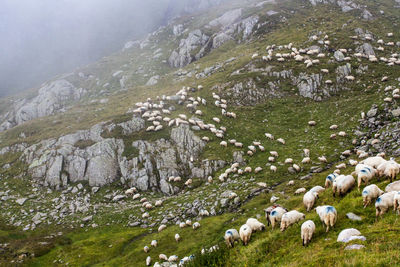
(42, 38)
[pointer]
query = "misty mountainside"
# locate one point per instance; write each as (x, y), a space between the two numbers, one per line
(208, 119)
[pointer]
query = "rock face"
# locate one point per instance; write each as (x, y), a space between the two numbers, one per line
(231, 27)
(87, 156)
(159, 160)
(183, 55)
(52, 98)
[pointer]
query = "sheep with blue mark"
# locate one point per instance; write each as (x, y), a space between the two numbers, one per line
(275, 215)
(328, 215)
(231, 236)
(384, 202)
(370, 193)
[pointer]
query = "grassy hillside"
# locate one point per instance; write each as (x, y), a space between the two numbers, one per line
(113, 243)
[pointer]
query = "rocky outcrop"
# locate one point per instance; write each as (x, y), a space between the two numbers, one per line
(183, 55)
(159, 160)
(52, 97)
(87, 156)
(366, 49)
(345, 6)
(198, 41)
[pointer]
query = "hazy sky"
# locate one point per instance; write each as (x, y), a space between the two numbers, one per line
(42, 38)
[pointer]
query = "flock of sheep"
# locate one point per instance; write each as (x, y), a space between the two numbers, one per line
(365, 171)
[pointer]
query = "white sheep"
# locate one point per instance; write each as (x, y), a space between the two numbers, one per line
(257, 170)
(188, 222)
(396, 202)
(154, 243)
(273, 199)
(288, 161)
(370, 192)
(223, 143)
(281, 140)
(300, 191)
(384, 202)
(342, 184)
(136, 196)
(255, 225)
(146, 249)
(247, 169)
(329, 179)
(162, 227)
(148, 261)
(231, 236)
(163, 257)
(365, 175)
(158, 203)
(274, 154)
(275, 215)
(322, 159)
(290, 218)
(328, 215)
(196, 225)
(130, 191)
(273, 168)
(309, 199)
(373, 161)
(173, 258)
(245, 233)
(389, 169)
(177, 237)
(319, 189)
(307, 231)
(182, 225)
(306, 160)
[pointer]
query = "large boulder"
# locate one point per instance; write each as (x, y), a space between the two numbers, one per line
(227, 18)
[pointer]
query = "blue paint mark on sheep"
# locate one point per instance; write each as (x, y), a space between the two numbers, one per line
(365, 192)
(378, 200)
(330, 177)
(330, 209)
(229, 232)
(273, 213)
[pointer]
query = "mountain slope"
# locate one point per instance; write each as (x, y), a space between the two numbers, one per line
(267, 96)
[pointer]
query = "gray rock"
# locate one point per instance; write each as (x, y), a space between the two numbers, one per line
(372, 112)
(338, 55)
(354, 246)
(367, 49)
(118, 198)
(153, 80)
(87, 219)
(396, 112)
(353, 217)
(21, 201)
(52, 98)
(367, 15)
(227, 18)
(224, 202)
(177, 29)
(134, 125)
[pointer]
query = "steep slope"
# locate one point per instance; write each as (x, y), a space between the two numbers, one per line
(91, 168)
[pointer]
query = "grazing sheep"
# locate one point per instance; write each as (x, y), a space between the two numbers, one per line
(274, 154)
(273, 199)
(223, 143)
(271, 159)
(307, 231)
(333, 127)
(291, 182)
(309, 199)
(365, 175)
(322, 159)
(306, 152)
(288, 161)
(329, 179)
(273, 168)
(196, 225)
(312, 123)
(148, 261)
(205, 138)
(163, 257)
(384, 202)
(245, 233)
(395, 186)
(328, 215)
(342, 133)
(275, 215)
(146, 249)
(177, 237)
(306, 160)
(162, 227)
(136, 196)
(389, 169)
(290, 218)
(300, 191)
(269, 136)
(158, 203)
(230, 237)
(188, 222)
(255, 225)
(130, 191)
(370, 192)
(154, 243)
(319, 189)
(173, 258)
(257, 170)
(247, 169)
(342, 184)
(182, 225)
(396, 202)
(281, 140)
(373, 161)
(296, 167)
